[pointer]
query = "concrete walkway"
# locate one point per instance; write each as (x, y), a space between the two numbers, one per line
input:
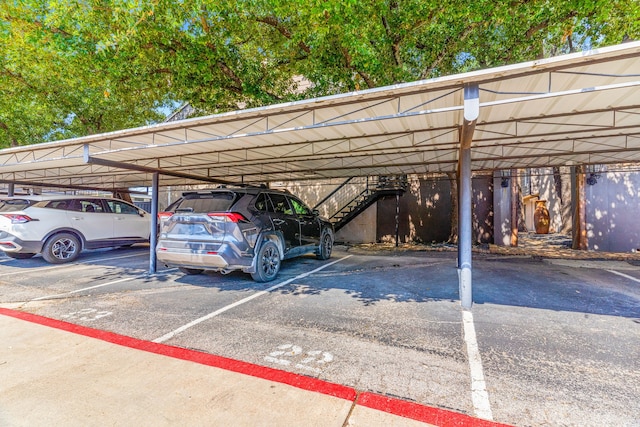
(62, 374)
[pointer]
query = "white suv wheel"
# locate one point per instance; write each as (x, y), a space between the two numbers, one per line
(60, 248)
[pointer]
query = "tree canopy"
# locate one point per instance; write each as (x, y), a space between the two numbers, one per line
(75, 67)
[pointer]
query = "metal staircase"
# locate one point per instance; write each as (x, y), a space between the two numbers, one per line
(355, 195)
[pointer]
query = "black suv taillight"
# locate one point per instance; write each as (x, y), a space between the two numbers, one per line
(227, 216)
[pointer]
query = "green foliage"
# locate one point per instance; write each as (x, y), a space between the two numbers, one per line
(74, 67)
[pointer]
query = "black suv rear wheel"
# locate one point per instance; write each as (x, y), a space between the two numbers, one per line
(326, 246)
(268, 263)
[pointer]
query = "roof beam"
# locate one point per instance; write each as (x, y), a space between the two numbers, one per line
(119, 165)
(61, 186)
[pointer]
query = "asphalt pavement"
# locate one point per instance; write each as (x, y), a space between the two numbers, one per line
(373, 336)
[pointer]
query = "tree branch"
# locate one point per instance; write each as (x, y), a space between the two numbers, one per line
(367, 79)
(37, 24)
(273, 22)
(448, 48)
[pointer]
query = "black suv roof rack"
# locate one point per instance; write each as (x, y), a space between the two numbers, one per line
(232, 186)
(243, 185)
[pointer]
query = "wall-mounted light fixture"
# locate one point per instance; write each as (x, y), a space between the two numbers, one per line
(593, 173)
(505, 174)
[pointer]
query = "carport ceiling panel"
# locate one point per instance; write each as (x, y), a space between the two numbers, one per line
(579, 124)
(633, 141)
(592, 145)
(37, 164)
(437, 138)
(495, 131)
(531, 150)
(405, 107)
(571, 78)
(327, 158)
(137, 141)
(596, 74)
(144, 154)
(532, 84)
(431, 100)
(628, 117)
(614, 158)
(343, 163)
(221, 127)
(559, 103)
(357, 112)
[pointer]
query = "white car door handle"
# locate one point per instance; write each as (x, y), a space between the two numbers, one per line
(77, 218)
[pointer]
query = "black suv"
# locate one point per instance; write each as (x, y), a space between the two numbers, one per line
(240, 228)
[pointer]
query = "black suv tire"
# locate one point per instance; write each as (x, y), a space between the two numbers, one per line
(326, 245)
(267, 263)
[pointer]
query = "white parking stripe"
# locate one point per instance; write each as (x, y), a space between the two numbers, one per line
(83, 264)
(39, 269)
(126, 279)
(626, 276)
(479, 395)
(172, 334)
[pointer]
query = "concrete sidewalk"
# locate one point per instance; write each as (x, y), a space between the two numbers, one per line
(58, 373)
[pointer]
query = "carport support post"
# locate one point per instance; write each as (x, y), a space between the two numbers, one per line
(153, 240)
(471, 112)
(11, 190)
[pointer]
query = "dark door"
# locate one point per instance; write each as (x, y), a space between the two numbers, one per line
(285, 221)
(309, 223)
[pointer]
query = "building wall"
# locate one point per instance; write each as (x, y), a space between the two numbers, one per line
(482, 208)
(361, 229)
(424, 214)
(612, 211)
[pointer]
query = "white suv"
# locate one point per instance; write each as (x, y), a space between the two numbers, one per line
(60, 226)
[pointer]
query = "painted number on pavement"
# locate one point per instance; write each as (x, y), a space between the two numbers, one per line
(290, 354)
(88, 314)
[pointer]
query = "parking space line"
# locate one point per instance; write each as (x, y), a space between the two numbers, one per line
(479, 395)
(13, 273)
(83, 264)
(126, 279)
(626, 276)
(172, 334)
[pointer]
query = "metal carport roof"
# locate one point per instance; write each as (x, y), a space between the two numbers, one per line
(572, 109)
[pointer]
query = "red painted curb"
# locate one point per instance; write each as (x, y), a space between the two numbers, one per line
(425, 414)
(435, 416)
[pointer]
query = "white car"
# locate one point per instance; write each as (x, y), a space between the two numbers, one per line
(60, 226)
